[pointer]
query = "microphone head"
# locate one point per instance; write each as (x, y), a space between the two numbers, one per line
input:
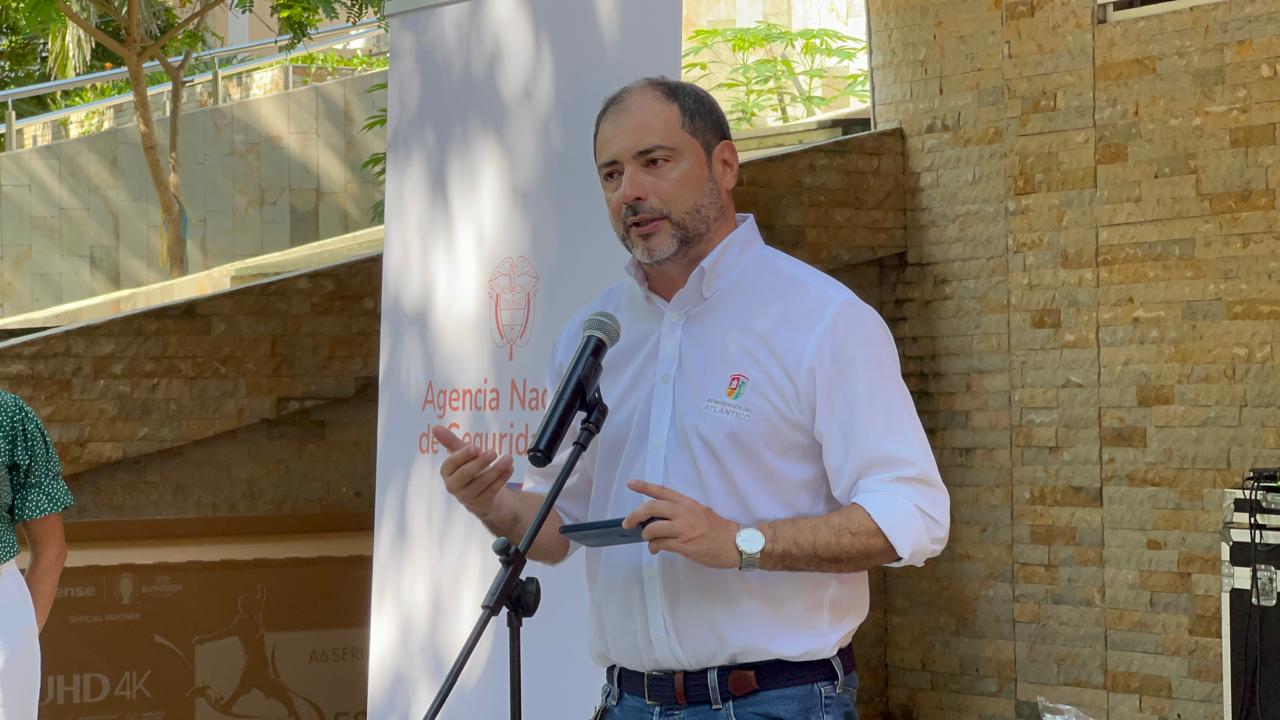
(604, 326)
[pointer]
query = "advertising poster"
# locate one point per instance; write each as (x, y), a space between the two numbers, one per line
(209, 640)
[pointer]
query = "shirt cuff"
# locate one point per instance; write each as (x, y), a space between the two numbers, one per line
(900, 522)
(36, 502)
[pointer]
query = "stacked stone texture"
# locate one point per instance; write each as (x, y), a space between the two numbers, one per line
(116, 391)
(836, 205)
(938, 70)
(1091, 243)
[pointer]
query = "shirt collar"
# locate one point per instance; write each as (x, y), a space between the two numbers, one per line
(717, 267)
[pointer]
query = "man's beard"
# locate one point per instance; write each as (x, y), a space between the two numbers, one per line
(687, 231)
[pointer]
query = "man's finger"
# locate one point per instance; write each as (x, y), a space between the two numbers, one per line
(659, 529)
(457, 459)
(496, 474)
(657, 492)
(653, 509)
(658, 546)
(477, 465)
(445, 437)
(466, 473)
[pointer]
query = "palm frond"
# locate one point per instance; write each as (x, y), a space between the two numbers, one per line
(69, 46)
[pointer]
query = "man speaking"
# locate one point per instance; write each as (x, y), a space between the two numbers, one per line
(758, 419)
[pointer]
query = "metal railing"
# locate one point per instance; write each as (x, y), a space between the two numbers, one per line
(320, 40)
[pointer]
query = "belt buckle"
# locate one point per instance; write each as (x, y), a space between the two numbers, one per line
(646, 688)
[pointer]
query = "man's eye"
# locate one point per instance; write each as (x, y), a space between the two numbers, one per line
(609, 177)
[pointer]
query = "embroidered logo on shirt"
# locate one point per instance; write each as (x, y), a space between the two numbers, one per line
(730, 408)
(737, 386)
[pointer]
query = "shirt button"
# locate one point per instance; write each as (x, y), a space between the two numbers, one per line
(674, 317)
(657, 444)
(666, 378)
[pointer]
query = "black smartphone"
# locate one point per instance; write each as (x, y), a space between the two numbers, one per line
(603, 533)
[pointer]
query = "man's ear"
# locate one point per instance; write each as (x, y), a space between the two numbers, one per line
(724, 164)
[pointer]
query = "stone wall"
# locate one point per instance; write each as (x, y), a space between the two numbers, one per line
(315, 461)
(1087, 312)
(1188, 303)
(950, 632)
(834, 205)
(79, 217)
(148, 382)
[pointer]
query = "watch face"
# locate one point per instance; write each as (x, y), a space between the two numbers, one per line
(750, 541)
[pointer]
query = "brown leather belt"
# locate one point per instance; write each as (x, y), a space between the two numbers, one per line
(691, 687)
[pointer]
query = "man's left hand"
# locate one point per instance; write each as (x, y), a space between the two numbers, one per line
(684, 526)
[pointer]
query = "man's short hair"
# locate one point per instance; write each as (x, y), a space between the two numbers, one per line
(700, 114)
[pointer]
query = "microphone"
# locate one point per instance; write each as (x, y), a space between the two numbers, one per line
(599, 333)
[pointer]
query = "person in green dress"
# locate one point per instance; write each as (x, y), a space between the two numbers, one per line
(32, 495)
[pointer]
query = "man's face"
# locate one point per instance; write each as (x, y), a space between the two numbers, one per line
(661, 195)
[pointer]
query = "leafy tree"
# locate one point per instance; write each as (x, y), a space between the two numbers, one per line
(22, 58)
(135, 32)
(768, 70)
(28, 58)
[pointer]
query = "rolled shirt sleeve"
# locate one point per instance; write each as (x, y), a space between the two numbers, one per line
(874, 448)
(35, 473)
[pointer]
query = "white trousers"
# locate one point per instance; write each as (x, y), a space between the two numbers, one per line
(19, 648)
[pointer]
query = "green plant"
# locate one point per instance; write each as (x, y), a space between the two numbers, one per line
(92, 120)
(377, 162)
(768, 71)
(22, 60)
(330, 59)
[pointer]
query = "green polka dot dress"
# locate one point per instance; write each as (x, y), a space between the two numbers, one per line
(32, 484)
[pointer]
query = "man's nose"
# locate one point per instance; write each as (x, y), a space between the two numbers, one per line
(633, 187)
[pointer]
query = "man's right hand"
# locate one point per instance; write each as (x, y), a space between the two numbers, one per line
(475, 477)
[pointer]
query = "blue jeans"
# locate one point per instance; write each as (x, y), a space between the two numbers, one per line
(820, 701)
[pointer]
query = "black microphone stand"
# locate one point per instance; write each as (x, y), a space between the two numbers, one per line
(519, 596)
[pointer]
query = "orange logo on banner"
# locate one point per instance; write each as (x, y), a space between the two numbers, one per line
(511, 288)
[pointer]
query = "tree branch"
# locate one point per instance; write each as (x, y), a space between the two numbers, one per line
(187, 22)
(175, 72)
(102, 38)
(133, 32)
(186, 60)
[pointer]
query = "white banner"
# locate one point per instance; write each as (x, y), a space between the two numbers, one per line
(496, 233)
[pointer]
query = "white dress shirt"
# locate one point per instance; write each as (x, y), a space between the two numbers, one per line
(764, 390)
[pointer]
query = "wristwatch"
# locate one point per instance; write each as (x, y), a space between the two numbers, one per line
(750, 542)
